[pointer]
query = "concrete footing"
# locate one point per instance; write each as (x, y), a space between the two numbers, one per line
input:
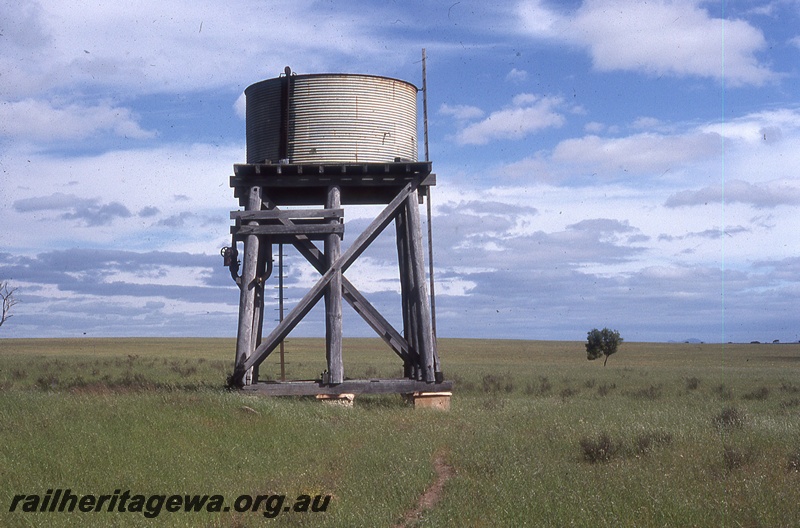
(344, 400)
(430, 400)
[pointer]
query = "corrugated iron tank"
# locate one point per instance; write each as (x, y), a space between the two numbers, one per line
(331, 118)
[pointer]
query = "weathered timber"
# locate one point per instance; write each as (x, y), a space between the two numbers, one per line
(316, 292)
(308, 184)
(422, 312)
(291, 214)
(310, 169)
(377, 322)
(410, 368)
(247, 297)
(296, 229)
(360, 304)
(333, 296)
(371, 386)
(263, 271)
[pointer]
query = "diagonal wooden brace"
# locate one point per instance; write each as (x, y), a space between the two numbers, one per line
(360, 304)
(318, 290)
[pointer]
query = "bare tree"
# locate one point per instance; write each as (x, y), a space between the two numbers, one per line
(7, 294)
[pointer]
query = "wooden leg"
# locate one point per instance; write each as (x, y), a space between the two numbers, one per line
(422, 311)
(247, 297)
(333, 297)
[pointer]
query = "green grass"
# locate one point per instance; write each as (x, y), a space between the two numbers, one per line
(665, 435)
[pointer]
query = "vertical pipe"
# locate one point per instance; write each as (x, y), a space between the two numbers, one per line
(425, 103)
(247, 296)
(333, 296)
(286, 97)
(280, 305)
(437, 368)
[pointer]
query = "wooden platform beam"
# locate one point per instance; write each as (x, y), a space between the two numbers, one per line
(369, 386)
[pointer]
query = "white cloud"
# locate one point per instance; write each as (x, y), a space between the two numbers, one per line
(240, 106)
(461, 112)
(593, 127)
(645, 122)
(37, 120)
(152, 46)
(527, 114)
(516, 75)
(661, 37)
(639, 153)
(738, 191)
(95, 190)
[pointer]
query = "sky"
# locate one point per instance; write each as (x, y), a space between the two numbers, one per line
(600, 163)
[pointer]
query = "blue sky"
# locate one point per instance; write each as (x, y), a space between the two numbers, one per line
(600, 163)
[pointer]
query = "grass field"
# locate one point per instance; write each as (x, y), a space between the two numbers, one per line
(665, 435)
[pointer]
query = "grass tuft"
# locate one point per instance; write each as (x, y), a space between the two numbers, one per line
(793, 464)
(543, 388)
(568, 392)
(605, 389)
(494, 383)
(729, 418)
(599, 449)
(653, 392)
(692, 383)
(723, 392)
(761, 393)
(647, 442)
(735, 458)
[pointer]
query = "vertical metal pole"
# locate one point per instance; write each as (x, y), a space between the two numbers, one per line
(430, 215)
(280, 304)
(425, 103)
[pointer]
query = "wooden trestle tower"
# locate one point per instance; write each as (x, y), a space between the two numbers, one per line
(262, 189)
(327, 141)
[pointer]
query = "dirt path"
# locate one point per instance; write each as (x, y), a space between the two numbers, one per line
(431, 495)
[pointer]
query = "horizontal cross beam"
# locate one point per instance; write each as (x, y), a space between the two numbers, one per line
(288, 214)
(294, 229)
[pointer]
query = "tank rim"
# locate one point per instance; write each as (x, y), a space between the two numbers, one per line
(344, 75)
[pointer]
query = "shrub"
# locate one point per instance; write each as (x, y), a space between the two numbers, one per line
(493, 383)
(653, 392)
(759, 394)
(600, 449)
(788, 404)
(568, 392)
(692, 383)
(605, 388)
(729, 417)
(542, 389)
(47, 382)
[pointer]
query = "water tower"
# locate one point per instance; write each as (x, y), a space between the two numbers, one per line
(328, 141)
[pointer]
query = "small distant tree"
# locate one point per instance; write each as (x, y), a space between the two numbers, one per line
(7, 295)
(602, 343)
